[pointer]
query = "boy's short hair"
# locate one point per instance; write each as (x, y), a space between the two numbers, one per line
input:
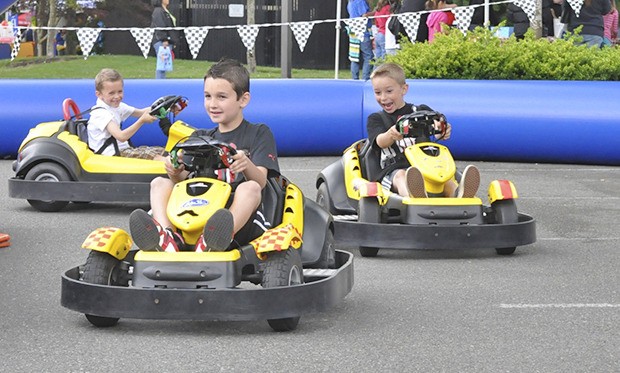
(106, 75)
(232, 71)
(390, 70)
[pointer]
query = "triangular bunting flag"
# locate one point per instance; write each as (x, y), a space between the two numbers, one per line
(87, 37)
(143, 37)
(529, 7)
(248, 35)
(302, 31)
(462, 17)
(195, 36)
(576, 5)
(411, 22)
(16, 43)
(358, 26)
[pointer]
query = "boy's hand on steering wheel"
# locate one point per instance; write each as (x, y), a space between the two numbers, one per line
(240, 162)
(394, 133)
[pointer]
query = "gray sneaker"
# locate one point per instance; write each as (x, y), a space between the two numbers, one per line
(415, 183)
(470, 182)
(218, 232)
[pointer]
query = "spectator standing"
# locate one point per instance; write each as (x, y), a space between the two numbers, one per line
(61, 43)
(590, 17)
(164, 60)
(162, 17)
(437, 20)
(360, 8)
(382, 13)
(610, 23)
(516, 15)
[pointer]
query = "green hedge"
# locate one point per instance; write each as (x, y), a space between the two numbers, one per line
(482, 56)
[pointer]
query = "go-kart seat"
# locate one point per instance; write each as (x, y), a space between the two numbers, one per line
(370, 162)
(78, 127)
(273, 199)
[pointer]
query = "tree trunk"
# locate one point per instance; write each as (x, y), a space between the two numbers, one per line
(52, 21)
(537, 25)
(251, 56)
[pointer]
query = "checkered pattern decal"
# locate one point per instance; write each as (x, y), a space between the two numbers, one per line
(108, 237)
(358, 26)
(278, 239)
(87, 37)
(462, 17)
(195, 37)
(411, 22)
(302, 31)
(248, 35)
(143, 37)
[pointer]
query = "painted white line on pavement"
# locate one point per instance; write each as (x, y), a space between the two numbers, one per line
(561, 305)
(578, 239)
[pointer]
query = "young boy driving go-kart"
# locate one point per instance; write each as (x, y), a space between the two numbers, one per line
(226, 92)
(390, 88)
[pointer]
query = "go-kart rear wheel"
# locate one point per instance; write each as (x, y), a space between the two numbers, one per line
(322, 197)
(369, 211)
(48, 171)
(102, 269)
(283, 268)
(505, 213)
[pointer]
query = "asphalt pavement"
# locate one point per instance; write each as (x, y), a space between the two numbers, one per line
(553, 306)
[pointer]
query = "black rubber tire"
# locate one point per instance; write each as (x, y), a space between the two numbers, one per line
(328, 253)
(322, 198)
(101, 269)
(505, 213)
(369, 211)
(283, 268)
(48, 172)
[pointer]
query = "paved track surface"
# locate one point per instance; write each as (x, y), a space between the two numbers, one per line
(554, 306)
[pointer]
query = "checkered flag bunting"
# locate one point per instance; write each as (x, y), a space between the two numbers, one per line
(87, 37)
(16, 43)
(248, 35)
(302, 31)
(576, 5)
(462, 17)
(195, 37)
(358, 26)
(529, 7)
(411, 22)
(143, 37)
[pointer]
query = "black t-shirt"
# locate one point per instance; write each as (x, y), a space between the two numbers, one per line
(255, 139)
(376, 126)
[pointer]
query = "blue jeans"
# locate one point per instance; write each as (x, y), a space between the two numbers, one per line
(592, 40)
(365, 57)
(379, 45)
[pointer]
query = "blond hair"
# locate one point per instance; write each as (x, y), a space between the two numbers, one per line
(106, 75)
(390, 70)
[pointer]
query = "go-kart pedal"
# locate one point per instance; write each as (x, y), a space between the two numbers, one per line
(218, 232)
(149, 235)
(470, 182)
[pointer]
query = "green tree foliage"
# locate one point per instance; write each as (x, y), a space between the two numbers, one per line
(481, 55)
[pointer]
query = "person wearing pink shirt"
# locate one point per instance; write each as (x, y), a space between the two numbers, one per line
(610, 25)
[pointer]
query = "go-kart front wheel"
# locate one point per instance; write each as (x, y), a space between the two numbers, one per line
(102, 269)
(283, 268)
(48, 171)
(505, 213)
(369, 211)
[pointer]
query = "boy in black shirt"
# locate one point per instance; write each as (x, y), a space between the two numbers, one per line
(390, 88)
(227, 93)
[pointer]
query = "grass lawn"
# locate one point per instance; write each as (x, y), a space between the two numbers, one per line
(131, 67)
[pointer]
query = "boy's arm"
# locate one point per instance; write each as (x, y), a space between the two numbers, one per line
(251, 172)
(125, 134)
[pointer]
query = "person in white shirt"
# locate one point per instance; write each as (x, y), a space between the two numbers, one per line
(105, 134)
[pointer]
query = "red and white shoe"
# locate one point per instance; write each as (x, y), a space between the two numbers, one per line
(149, 235)
(218, 232)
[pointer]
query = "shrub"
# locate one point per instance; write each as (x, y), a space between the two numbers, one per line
(482, 56)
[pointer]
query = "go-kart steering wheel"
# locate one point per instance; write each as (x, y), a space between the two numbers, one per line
(422, 124)
(199, 152)
(69, 105)
(164, 105)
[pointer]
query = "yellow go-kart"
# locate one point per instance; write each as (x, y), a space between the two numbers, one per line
(368, 216)
(292, 269)
(55, 165)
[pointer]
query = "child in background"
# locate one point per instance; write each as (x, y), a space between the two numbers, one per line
(164, 60)
(390, 88)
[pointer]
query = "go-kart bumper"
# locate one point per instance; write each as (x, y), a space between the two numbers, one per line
(418, 236)
(323, 288)
(86, 191)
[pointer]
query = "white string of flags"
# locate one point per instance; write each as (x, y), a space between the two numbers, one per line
(195, 36)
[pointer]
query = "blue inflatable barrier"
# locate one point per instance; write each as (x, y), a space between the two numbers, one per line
(525, 121)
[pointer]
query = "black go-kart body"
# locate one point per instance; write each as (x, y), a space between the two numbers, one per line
(372, 218)
(292, 269)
